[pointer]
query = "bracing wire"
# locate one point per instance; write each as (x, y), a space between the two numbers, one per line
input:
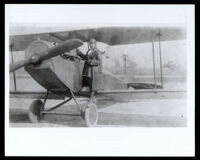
(118, 55)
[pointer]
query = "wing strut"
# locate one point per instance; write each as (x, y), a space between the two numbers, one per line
(12, 59)
(161, 74)
(154, 68)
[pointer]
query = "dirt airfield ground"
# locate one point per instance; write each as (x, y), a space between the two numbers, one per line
(145, 113)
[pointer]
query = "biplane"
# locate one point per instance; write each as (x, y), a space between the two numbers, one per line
(49, 63)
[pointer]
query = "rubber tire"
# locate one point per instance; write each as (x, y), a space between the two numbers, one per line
(34, 111)
(91, 115)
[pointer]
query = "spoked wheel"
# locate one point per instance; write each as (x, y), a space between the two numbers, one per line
(91, 115)
(35, 111)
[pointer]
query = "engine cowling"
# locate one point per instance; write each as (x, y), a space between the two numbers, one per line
(38, 46)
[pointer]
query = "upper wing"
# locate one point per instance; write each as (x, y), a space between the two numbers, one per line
(108, 35)
(20, 42)
(126, 35)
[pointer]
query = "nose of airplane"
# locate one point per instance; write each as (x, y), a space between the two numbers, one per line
(38, 51)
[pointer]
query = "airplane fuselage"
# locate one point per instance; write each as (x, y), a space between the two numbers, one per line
(61, 75)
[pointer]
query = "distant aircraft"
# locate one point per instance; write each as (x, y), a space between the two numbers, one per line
(49, 63)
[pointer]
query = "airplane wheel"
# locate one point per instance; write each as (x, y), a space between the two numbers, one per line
(34, 111)
(91, 115)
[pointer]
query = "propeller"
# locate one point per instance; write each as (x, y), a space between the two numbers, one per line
(47, 54)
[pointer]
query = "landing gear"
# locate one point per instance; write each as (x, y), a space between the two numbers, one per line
(89, 114)
(35, 111)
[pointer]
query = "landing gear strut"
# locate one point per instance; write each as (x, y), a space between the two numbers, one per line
(89, 114)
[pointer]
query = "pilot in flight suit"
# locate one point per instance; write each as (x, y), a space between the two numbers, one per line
(93, 67)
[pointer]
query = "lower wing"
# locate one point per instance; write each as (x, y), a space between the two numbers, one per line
(133, 95)
(34, 95)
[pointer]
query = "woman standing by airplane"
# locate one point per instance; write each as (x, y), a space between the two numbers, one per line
(92, 68)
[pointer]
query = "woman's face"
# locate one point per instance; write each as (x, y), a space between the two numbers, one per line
(92, 45)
